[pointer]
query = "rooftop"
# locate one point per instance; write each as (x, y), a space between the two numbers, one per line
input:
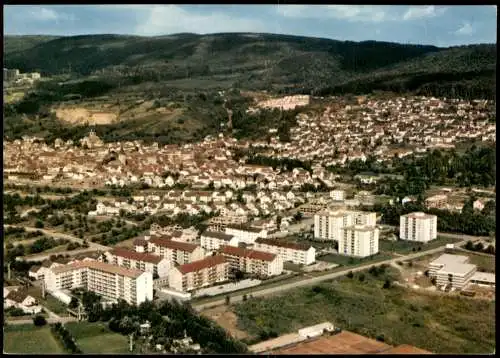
(447, 259)
(484, 277)
(201, 264)
(137, 256)
(96, 265)
(174, 245)
(217, 235)
(252, 254)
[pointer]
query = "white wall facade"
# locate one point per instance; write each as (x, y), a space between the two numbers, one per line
(359, 241)
(418, 227)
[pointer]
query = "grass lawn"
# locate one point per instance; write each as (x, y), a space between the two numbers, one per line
(438, 323)
(50, 302)
(26, 339)
(351, 261)
(406, 247)
(97, 338)
(484, 263)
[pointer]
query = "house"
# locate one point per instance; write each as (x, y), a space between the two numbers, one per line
(156, 265)
(198, 274)
(175, 251)
(262, 264)
(212, 240)
(20, 299)
(245, 234)
(296, 253)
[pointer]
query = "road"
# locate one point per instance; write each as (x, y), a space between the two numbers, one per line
(333, 275)
(58, 235)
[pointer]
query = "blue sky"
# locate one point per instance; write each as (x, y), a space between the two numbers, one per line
(433, 25)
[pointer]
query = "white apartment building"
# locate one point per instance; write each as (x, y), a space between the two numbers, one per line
(198, 274)
(327, 224)
(109, 281)
(337, 195)
(155, 264)
(418, 226)
(359, 241)
(175, 251)
(251, 261)
(453, 270)
(296, 253)
(248, 235)
(213, 240)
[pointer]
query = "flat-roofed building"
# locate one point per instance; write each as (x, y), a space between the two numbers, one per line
(198, 274)
(213, 240)
(175, 251)
(297, 253)
(452, 270)
(337, 195)
(418, 226)
(359, 241)
(483, 279)
(327, 224)
(157, 265)
(251, 261)
(110, 281)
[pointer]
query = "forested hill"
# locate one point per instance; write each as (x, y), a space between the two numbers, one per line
(264, 61)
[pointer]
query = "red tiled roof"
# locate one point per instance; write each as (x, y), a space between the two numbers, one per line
(201, 264)
(133, 255)
(278, 243)
(140, 241)
(251, 254)
(175, 245)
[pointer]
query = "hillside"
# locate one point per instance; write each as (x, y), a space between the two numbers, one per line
(25, 42)
(178, 77)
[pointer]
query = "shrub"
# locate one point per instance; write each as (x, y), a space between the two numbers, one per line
(39, 321)
(39, 224)
(350, 274)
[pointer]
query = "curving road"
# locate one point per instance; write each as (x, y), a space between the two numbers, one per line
(314, 280)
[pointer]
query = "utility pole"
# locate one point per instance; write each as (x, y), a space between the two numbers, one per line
(131, 342)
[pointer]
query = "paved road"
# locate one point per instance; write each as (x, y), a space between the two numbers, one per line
(49, 320)
(314, 280)
(58, 235)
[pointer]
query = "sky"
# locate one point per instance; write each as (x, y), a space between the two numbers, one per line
(425, 24)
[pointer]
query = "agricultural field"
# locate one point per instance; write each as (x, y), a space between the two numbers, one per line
(441, 324)
(28, 339)
(97, 338)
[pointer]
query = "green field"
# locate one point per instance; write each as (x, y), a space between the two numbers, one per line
(26, 339)
(406, 247)
(97, 338)
(485, 263)
(441, 324)
(352, 261)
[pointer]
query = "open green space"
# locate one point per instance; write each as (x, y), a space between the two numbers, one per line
(406, 247)
(485, 263)
(438, 323)
(28, 339)
(97, 338)
(50, 302)
(352, 261)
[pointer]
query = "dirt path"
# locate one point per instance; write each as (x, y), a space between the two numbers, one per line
(226, 319)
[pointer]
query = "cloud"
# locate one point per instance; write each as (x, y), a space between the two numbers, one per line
(420, 12)
(465, 30)
(44, 14)
(168, 19)
(352, 13)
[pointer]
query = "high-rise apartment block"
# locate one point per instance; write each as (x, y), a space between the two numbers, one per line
(418, 226)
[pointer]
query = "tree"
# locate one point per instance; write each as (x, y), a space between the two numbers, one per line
(39, 321)
(479, 247)
(350, 274)
(298, 216)
(361, 277)
(244, 297)
(387, 284)
(73, 303)
(39, 224)
(469, 246)
(228, 300)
